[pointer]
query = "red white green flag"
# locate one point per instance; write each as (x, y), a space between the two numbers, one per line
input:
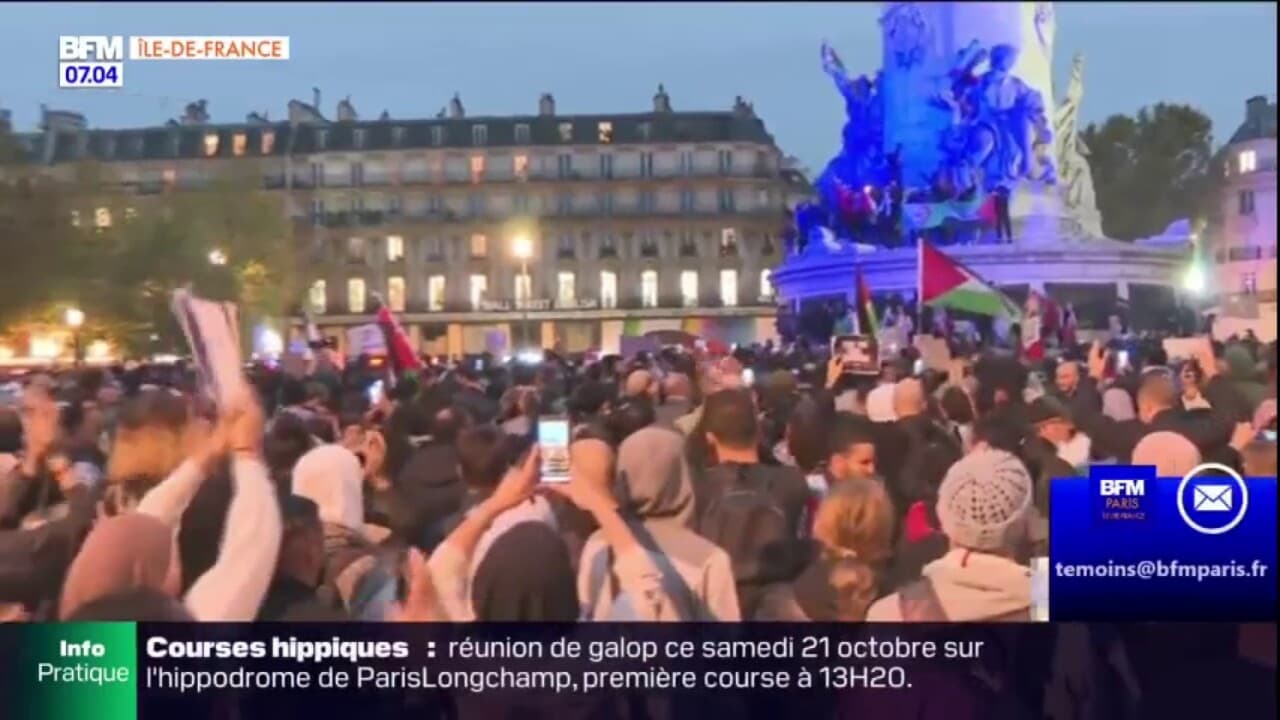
(944, 282)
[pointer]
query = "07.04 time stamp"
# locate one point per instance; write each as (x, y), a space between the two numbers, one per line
(91, 75)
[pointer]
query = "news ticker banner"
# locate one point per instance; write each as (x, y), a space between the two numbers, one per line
(97, 61)
(1126, 545)
(386, 670)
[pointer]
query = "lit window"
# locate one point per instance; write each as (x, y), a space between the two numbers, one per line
(523, 288)
(238, 143)
(130, 214)
(268, 141)
(355, 249)
(479, 286)
(479, 245)
(395, 293)
(649, 288)
(210, 144)
(689, 288)
(522, 134)
(477, 168)
(766, 283)
(565, 289)
(521, 166)
(318, 298)
(358, 137)
(605, 132)
(729, 287)
(395, 248)
(1247, 161)
(609, 288)
(355, 295)
(437, 135)
(479, 135)
(435, 292)
(169, 176)
(75, 218)
(728, 241)
(566, 132)
(102, 217)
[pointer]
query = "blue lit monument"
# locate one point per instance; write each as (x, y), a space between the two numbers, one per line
(958, 139)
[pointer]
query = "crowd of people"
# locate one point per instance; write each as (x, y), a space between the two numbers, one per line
(768, 484)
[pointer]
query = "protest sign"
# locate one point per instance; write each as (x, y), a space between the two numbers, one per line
(213, 332)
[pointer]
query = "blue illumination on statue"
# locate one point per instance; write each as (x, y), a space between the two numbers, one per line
(987, 131)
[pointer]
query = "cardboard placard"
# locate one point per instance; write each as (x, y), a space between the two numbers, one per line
(1185, 348)
(213, 333)
(934, 352)
(366, 340)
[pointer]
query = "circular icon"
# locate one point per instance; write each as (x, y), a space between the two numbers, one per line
(1235, 478)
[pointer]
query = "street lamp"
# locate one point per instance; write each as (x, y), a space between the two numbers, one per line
(217, 257)
(522, 248)
(74, 318)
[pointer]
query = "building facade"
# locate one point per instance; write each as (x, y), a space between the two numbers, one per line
(1242, 247)
(497, 233)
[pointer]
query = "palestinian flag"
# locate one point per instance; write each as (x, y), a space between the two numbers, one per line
(867, 320)
(943, 282)
(399, 351)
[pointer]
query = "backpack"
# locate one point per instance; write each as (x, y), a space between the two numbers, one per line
(746, 521)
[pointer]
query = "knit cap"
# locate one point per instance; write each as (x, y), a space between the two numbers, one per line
(983, 499)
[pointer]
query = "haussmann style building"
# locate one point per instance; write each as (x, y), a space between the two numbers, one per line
(497, 233)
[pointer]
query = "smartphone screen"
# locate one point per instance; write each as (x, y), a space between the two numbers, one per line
(375, 392)
(748, 377)
(553, 441)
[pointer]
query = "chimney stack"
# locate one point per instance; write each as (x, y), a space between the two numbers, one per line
(315, 98)
(456, 111)
(1255, 108)
(346, 111)
(546, 105)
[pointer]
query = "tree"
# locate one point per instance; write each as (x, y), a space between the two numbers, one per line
(1152, 169)
(78, 238)
(228, 241)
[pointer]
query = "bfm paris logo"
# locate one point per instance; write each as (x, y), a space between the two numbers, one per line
(1211, 499)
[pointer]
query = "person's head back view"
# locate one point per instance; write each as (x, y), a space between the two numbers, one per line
(301, 555)
(857, 519)
(908, 398)
(482, 457)
(525, 576)
(629, 415)
(331, 477)
(806, 434)
(1172, 454)
(983, 502)
(731, 427)
(1155, 395)
(653, 478)
(125, 552)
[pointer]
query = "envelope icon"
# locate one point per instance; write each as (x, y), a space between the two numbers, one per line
(1213, 498)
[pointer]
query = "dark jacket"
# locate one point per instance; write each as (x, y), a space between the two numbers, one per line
(428, 490)
(34, 562)
(1209, 431)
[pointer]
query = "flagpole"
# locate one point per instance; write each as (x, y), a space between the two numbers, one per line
(920, 283)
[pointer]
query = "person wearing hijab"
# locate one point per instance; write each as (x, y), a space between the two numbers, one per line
(1117, 404)
(138, 550)
(1172, 454)
(355, 577)
(525, 576)
(655, 496)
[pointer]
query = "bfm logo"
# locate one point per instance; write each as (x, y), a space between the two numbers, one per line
(1132, 488)
(1124, 496)
(101, 48)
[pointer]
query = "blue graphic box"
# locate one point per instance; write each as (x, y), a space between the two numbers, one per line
(1126, 545)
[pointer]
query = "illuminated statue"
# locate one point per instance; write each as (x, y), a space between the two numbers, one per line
(1006, 121)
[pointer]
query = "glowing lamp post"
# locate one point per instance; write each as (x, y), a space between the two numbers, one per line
(74, 319)
(522, 249)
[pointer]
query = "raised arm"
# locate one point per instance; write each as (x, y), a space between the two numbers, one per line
(233, 588)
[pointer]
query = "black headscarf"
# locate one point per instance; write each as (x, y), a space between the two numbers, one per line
(526, 576)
